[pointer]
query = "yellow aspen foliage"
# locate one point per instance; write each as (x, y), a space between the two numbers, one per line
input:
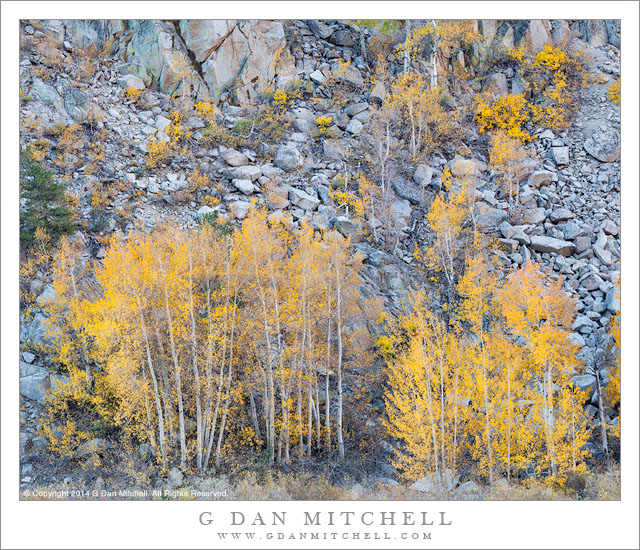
(446, 218)
(557, 75)
(506, 158)
(509, 114)
(196, 337)
(428, 124)
(538, 311)
(613, 91)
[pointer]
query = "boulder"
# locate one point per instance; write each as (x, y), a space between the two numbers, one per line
(534, 216)
(612, 300)
(76, 103)
(240, 209)
(45, 93)
(560, 215)
(156, 45)
(235, 158)
(423, 174)
(244, 186)
(548, 244)
(35, 385)
(496, 84)
(320, 29)
(348, 74)
(489, 218)
(303, 200)
(401, 212)
(560, 155)
(585, 382)
(408, 191)
(468, 488)
(604, 146)
(436, 483)
(334, 148)
(56, 381)
(243, 173)
(354, 126)
(342, 38)
(288, 158)
(131, 81)
(537, 36)
(246, 58)
(540, 178)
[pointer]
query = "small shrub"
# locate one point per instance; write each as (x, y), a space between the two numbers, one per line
(613, 92)
(509, 114)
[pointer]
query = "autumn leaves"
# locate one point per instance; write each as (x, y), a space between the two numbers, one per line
(486, 386)
(215, 344)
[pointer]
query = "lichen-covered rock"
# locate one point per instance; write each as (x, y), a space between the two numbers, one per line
(605, 146)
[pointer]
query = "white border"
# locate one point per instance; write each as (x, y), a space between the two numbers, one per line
(174, 525)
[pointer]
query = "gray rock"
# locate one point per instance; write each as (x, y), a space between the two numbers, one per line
(303, 200)
(540, 178)
(240, 209)
(408, 191)
(603, 255)
(496, 84)
(468, 488)
(401, 212)
(582, 321)
(205, 210)
(35, 386)
(423, 174)
(137, 69)
(349, 75)
(576, 339)
(342, 38)
(334, 149)
(436, 483)
(507, 230)
(76, 103)
(604, 146)
(560, 215)
(28, 356)
(244, 173)
(131, 81)
(549, 244)
(612, 300)
(235, 158)
(583, 243)
(489, 218)
(244, 186)
(288, 158)
(45, 93)
(462, 167)
(320, 29)
(560, 155)
(572, 230)
(318, 77)
(27, 369)
(357, 108)
(585, 382)
(354, 127)
(610, 228)
(534, 216)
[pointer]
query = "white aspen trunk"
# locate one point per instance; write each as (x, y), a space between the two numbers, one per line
(196, 372)
(339, 362)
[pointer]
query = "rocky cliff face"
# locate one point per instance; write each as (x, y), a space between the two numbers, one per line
(571, 192)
